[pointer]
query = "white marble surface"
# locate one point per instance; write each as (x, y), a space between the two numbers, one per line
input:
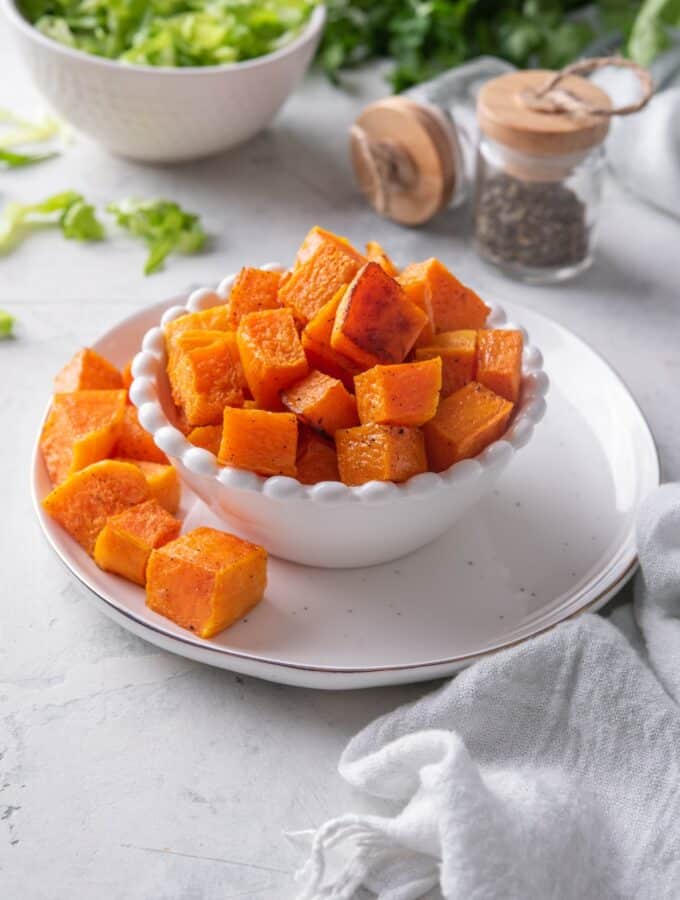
(129, 774)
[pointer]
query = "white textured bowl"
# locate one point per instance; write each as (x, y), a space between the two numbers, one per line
(328, 524)
(161, 114)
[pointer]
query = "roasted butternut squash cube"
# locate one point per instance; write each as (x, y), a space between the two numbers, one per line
(83, 502)
(126, 375)
(260, 441)
(253, 290)
(124, 544)
(499, 362)
(207, 436)
(380, 453)
(321, 402)
(376, 322)
(316, 342)
(207, 378)
(206, 580)
(458, 353)
(87, 371)
(466, 422)
(316, 280)
(134, 441)
(317, 237)
(454, 306)
(375, 253)
(317, 459)
(82, 427)
(163, 481)
(271, 354)
(407, 394)
(216, 318)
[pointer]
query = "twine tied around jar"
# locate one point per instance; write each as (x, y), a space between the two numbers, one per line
(553, 99)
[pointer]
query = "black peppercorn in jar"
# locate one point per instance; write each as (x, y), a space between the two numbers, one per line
(539, 174)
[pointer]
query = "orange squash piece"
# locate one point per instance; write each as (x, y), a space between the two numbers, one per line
(375, 253)
(458, 353)
(316, 342)
(407, 394)
(380, 453)
(499, 362)
(321, 402)
(206, 580)
(466, 422)
(81, 428)
(260, 441)
(163, 482)
(271, 354)
(124, 544)
(317, 459)
(184, 343)
(83, 502)
(134, 441)
(253, 290)
(316, 280)
(454, 306)
(207, 436)
(87, 371)
(216, 318)
(126, 375)
(376, 322)
(316, 237)
(207, 378)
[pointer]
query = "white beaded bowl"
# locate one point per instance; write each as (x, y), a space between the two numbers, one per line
(328, 524)
(162, 114)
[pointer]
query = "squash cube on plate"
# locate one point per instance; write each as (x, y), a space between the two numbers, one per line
(376, 322)
(206, 580)
(317, 459)
(271, 354)
(163, 481)
(260, 441)
(321, 402)
(207, 378)
(316, 280)
(376, 253)
(216, 318)
(316, 342)
(207, 436)
(317, 237)
(88, 371)
(458, 353)
(126, 375)
(406, 394)
(253, 290)
(134, 441)
(466, 423)
(82, 427)
(83, 502)
(125, 543)
(380, 453)
(499, 362)
(454, 306)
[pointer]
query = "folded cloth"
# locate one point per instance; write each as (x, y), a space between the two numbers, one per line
(548, 771)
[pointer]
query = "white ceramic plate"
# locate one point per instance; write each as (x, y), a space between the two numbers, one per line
(553, 539)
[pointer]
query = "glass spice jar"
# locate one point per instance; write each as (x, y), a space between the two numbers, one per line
(414, 154)
(539, 175)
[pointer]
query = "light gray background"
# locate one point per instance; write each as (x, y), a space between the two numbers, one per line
(130, 774)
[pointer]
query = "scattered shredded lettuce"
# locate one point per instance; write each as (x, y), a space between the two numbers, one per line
(68, 211)
(653, 29)
(164, 225)
(16, 130)
(171, 32)
(10, 160)
(6, 325)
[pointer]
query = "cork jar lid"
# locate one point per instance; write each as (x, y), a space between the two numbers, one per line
(406, 159)
(515, 111)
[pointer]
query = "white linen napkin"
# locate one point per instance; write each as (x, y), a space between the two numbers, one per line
(551, 770)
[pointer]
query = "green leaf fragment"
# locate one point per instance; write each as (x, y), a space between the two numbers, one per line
(6, 325)
(163, 225)
(18, 160)
(68, 211)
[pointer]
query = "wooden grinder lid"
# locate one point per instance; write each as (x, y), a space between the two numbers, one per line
(405, 159)
(513, 110)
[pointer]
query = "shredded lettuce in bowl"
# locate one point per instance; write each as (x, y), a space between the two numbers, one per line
(174, 33)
